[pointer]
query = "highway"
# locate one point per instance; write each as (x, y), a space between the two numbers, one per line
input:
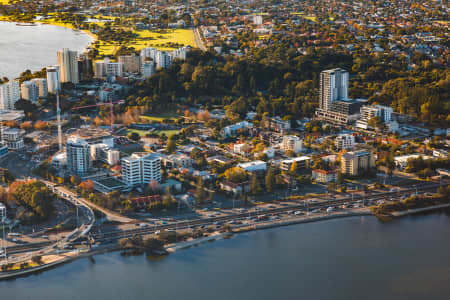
(253, 212)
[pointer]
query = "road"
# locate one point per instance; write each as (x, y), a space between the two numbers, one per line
(66, 193)
(254, 212)
(199, 40)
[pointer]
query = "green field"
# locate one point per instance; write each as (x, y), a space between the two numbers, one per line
(152, 38)
(142, 133)
(160, 117)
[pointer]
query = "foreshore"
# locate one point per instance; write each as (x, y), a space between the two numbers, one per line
(220, 235)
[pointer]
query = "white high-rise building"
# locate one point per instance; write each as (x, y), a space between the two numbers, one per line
(257, 19)
(78, 155)
(29, 91)
(180, 53)
(53, 80)
(107, 68)
(141, 168)
(163, 60)
(131, 63)
(148, 69)
(149, 52)
(9, 94)
(68, 66)
(344, 141)
(41, 83)
(370, 111)
(333, 86)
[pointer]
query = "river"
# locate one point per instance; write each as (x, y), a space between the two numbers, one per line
(34, 47)
(354, 258)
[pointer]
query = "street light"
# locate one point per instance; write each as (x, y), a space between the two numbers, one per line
(3, 218)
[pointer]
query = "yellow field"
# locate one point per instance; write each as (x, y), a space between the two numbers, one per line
(156, 39)
(4, 1)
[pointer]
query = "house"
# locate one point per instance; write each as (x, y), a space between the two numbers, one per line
(235, 188)
(278, 125)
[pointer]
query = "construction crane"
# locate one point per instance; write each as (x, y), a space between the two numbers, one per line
(111, 105)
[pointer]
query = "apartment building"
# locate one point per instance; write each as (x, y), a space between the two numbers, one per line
(68, 66)
(9, 94)
(53, 79)
(131, 63)
(292, 143)
(78, 155)
(141, 168)
(357, 162)
(324, 176)
(29, 91)
(344, 141)
(107, 68)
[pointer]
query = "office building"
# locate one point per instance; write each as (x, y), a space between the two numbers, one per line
(141, 168)
(53, 79)
(9, 94)
(29, 91)
(107, 68)
(292, 143)
(180, 53)
(357, 162)
(68, 66)
(78, 155)
(344, 141)
(131, 63)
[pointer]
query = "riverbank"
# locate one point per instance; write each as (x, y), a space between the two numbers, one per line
(171, 248)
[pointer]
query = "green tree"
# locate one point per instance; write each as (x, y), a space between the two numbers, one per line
(171, 146)
(134, 136)
(255, 186)
(200, 193)
(270, 180)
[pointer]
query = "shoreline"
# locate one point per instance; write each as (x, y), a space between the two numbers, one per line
(219, 235)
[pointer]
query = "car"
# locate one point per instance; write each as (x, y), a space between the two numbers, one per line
(157, 231)
(298, 213)
(143, 225)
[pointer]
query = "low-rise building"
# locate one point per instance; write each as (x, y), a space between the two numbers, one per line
(253, 166)
(231, 130)
(278, 125)
(177, 161)
(302, 162)
(344, 141)
(324, 176)
(13, 138)
(292, 143)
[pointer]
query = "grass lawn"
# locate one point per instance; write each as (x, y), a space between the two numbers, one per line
(160, 117)
(142, 133)
(153, 38)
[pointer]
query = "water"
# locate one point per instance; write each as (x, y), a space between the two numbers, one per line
(356, 258)
(34, 47)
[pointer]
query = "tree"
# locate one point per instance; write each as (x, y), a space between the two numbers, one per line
(87, 185)
(40, 125)
(171, 146)
(236, 175)
(255, 186)
(37, 259)
(75, 180)
(154, 186)
(168, 200)
(270, 180)
(293, 169)
(134, 136)
(200, 193)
